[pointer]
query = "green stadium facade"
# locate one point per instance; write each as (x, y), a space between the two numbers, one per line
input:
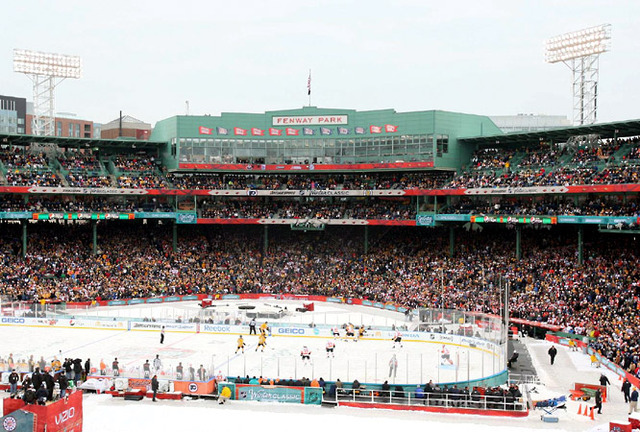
(321, 136)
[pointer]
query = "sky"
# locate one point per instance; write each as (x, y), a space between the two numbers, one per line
(147, 58)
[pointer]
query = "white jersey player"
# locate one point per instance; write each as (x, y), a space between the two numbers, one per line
(397, 339)
(330, 347)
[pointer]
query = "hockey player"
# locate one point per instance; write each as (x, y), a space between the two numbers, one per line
(115, 366)
(350, 332)
(146, 368)
(241, 344)
(264, 328)
(162, 335)
(157, 363)
(330, 347)
(359, 333)
(305, 354)
(202, 373)
(445, 356)
(262, 341)
(397, 339)
(335, 332)
(179, 371)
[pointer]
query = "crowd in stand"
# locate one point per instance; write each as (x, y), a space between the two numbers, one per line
(18, 159)
(290, 209)
(32, 178)
(540, 156)
(491, 158)
(142, 182)
(54, 203)
(79, 161)
(92, 181)
(137, 163)
(546, 207)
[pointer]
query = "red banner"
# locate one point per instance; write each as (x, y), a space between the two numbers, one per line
(257, 132)
(275, 132)
(375, 129)
(292, 132)
(390, 128)
(239, 131)
(62, 415)
(204, 130)
(315, 167)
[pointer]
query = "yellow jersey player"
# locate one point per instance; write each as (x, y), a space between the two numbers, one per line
(262, 341)
(240, 345)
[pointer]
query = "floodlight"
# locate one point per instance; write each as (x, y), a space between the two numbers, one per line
(582, 43)
(580, 51)
(46, 70)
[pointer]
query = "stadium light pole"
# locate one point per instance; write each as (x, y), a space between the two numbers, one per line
(580, 51)
(46, 70)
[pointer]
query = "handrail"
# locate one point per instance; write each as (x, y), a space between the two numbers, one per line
(506, 402)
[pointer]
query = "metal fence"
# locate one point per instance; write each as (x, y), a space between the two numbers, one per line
(506, 402)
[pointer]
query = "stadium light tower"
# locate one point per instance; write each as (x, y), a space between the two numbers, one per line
(580, 51)
(46, 70)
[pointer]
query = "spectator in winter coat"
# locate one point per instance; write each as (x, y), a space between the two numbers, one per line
(41, 395)
(13, 382)
(63, 382)
(154, 386)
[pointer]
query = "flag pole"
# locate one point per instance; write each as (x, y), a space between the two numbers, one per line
(309, 87)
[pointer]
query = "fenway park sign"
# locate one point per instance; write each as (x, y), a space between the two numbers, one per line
(311, 120)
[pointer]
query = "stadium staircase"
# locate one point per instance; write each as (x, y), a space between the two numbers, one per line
(522, 371)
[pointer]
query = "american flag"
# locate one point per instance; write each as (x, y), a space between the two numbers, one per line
(325, 131)
(343, 131)
(222, 131)
(359, 130)
(308, 131)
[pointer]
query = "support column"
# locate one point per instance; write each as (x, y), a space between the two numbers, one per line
(518, 240)
(452, 240)
(265, 243)
(94, 232)
(580, 245)
(24, 238)
(435, 203)
(366, 239)
(175, 237)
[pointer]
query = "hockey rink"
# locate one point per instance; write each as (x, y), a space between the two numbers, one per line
(214, 346)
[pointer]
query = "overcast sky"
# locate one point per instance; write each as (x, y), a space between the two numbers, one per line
(147, 58)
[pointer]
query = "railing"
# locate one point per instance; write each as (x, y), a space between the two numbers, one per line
(506, 402)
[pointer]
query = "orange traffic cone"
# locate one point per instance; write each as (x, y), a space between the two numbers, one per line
(586, 411)
(580, 409)
(592, 416)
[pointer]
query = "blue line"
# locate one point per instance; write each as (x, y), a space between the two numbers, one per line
(219, 367)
